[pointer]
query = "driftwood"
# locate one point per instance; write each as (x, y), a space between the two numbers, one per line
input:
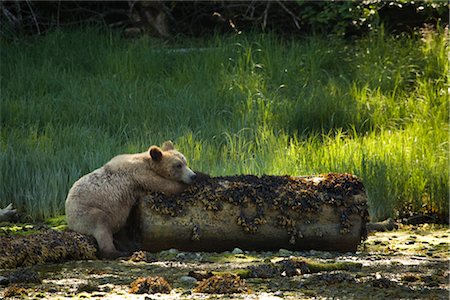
(327, 212)
(7, 213)
(386, 225)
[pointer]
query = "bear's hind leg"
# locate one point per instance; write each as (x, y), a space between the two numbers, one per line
(104, 237)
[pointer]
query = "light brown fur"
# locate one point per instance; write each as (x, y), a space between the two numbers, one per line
(99, 203)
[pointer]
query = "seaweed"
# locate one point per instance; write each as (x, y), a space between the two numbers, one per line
(222, 284)
(46, 246)
(150, 285)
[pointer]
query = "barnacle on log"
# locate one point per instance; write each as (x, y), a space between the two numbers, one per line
(325, 212)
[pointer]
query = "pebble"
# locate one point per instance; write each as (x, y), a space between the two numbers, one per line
(188, 280)
(278, 294)
(4, 280)
(237, 251)
(284, 252)
(321, 254)
(173, 251)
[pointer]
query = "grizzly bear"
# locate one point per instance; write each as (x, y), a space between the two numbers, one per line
(99, 203)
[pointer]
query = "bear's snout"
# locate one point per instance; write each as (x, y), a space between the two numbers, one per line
(193, 177)
(189, 176)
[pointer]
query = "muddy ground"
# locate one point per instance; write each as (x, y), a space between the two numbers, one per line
(409, 263)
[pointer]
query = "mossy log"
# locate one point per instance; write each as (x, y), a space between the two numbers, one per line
(326, 212)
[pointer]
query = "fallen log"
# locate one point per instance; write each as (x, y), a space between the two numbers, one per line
(326, 212)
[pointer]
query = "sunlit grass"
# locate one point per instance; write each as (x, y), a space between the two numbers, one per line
(256, 104)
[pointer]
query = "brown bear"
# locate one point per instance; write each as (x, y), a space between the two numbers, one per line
(99, 203)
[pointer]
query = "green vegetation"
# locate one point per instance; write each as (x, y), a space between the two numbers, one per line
(257, 104)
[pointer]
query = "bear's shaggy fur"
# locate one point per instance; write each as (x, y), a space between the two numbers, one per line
(99, 203)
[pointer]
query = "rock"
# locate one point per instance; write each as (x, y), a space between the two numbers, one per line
(170, 254)
(336, 277)
(173, 251)
(24, 276)
(188, 280)
(278, 294)
(382, 282)
(200, 275)
(284, 252)
(4, 280)
(88, 288)
(237, 251)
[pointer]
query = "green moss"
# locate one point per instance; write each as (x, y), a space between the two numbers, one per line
(242, 273)
(7, 228)
(231, 258)
(316, 267)
(58, 223)
(288, 265)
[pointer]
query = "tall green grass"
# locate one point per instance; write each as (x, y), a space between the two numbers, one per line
(376, 107)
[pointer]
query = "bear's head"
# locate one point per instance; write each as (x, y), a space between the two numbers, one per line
(170, 164)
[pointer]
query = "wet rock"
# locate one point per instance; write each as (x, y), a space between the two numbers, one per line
(150, 285)
(173, 251)
(4, 280)
(278, 294)
(24, 276)
(335, 277)
(222, 284)
(382, 282)
(200, 275)
(237, 251)
(410, 278)
(188, 280)
(188, 256)
(322, 254)
(293, 267)
(264, 271)
(284, 252)
(88, 288)
(168, 254)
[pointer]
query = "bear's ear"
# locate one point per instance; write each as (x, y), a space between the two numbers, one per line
(167, 145)
(155, 153)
